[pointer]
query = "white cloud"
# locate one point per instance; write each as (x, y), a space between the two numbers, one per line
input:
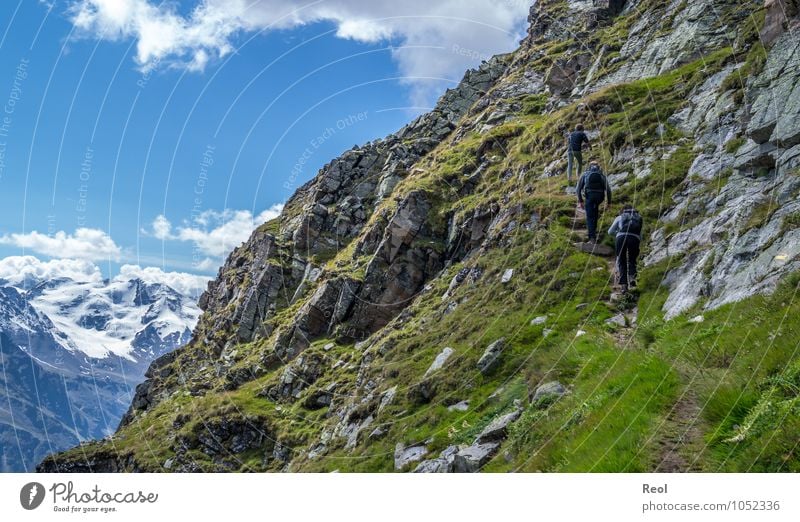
(161, 227)
(213, 233)
(187, 284)
(207, 264)
(19, 269)
(461, 31)
(86, 243)
(23, 271)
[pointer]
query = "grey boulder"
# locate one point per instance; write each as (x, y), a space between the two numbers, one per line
(491, 356)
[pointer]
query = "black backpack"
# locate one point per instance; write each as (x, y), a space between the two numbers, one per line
(595, 181)
(630, 222)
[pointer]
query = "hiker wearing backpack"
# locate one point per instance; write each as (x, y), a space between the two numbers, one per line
(628, 230)
(596, 188)
(575, 142)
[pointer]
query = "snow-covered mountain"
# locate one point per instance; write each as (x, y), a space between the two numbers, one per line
(74, 346)
(126, 318)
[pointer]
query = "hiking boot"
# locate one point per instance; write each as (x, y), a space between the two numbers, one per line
(623, 288)
(632, 284)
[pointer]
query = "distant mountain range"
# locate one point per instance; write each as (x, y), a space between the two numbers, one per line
(73, 351)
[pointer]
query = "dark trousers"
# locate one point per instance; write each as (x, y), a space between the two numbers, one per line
(627, 255)
(592, 208)
(572, 157)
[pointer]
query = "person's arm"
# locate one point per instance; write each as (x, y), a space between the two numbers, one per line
(608, 190)
(614, 227)
(579, 190)
(586, 140)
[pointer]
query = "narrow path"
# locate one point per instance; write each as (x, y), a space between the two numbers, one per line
(578, 222)
(679, 437)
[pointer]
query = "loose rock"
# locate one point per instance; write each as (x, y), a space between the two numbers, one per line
(498, 428)
(491, 357)
(548, 393)
(405, 455)
(439, 361)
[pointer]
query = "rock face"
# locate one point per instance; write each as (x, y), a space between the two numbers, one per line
(564, 74)
(773, 115)
(739, 258)
(399, 267)
(648, 54)
(780, 16)
(365, 325)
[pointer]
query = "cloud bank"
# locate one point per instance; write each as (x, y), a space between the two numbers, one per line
(16, 269)
(21, 271)
(187, 284)
(437, 39)
(88, 244)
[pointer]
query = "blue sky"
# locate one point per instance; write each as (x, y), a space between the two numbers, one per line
(159, 134)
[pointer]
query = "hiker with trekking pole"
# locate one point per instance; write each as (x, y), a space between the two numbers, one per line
(627, 229)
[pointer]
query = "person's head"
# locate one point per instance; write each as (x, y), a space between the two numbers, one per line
(579, 127)
(594, 163)
(627, 206)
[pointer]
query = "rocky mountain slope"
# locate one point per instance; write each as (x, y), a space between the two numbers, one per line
(72, 353)
(420, 304)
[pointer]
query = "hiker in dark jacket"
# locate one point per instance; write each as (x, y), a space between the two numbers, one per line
(628, 230)
(575, 143)
(595, 185)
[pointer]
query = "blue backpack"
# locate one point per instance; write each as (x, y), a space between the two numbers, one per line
(630, 222)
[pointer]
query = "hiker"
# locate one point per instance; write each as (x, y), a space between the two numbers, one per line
(628, 229)
(575, 143)
(595, 185)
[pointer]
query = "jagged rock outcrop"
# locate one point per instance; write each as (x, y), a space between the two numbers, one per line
(273, 268)
(732, 251)
(653, 48)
